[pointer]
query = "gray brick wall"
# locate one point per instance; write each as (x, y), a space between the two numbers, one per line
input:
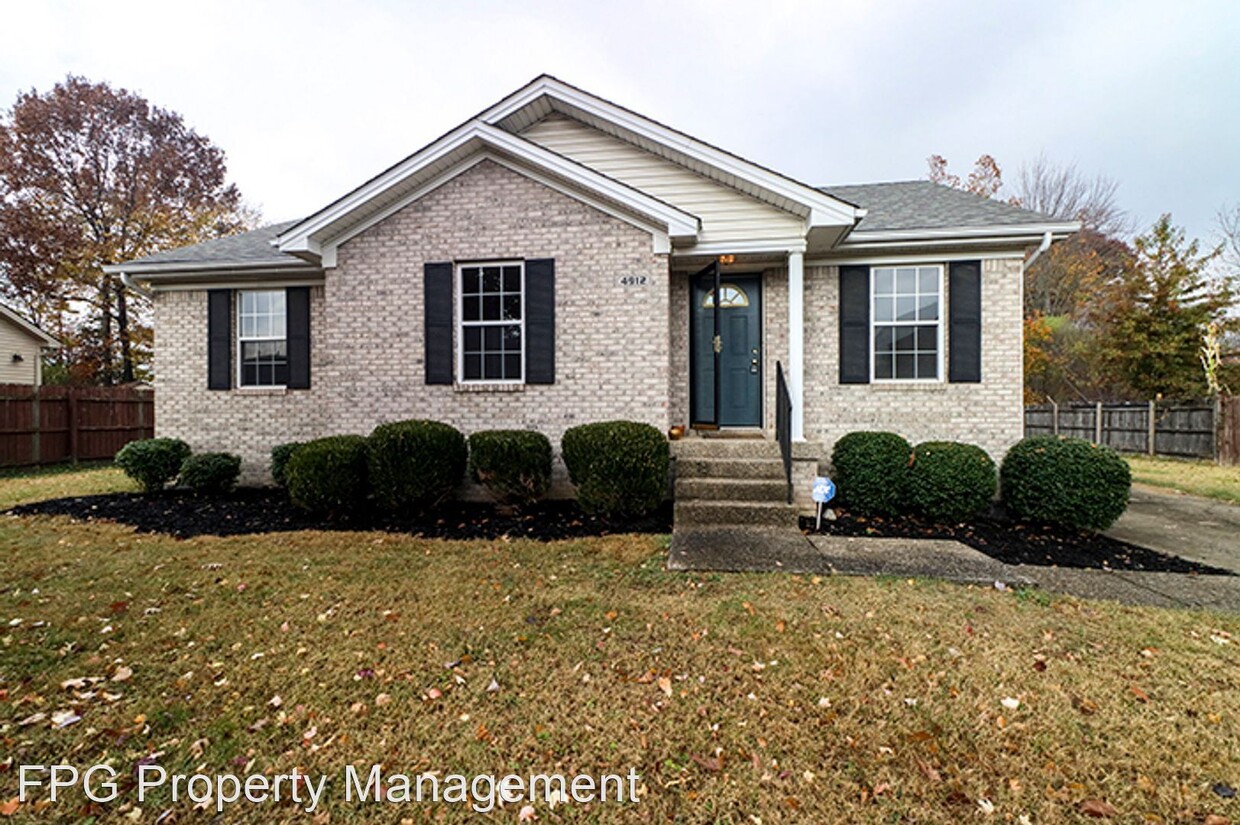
(988, 414)
(612, 350)
(621, 352)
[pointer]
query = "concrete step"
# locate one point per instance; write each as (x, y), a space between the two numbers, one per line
(733, 468)
(752, 513)
(725, 448)
(732, 489)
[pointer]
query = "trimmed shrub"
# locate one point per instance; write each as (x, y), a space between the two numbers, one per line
(620, 467)
(415, 464)
(211, 473)
(280, 454)
(949, 481)
(870, 472)
(1065, 481)
(327, 476)
(153, 462)
(514, 465)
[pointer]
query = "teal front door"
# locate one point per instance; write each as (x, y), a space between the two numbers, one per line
(726, 349)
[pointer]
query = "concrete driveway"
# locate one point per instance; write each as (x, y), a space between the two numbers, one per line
(1199, 529)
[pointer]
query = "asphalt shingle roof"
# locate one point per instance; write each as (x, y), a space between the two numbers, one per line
(922, 204)
(896, 205)
(253, 247)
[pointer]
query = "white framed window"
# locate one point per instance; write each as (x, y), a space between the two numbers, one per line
(262, 338)
(906, 322)
(491, 330)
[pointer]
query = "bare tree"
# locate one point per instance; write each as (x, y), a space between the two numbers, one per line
(1228, 220)
(1065, 192)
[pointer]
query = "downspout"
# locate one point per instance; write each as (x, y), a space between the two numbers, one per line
(1042, 247)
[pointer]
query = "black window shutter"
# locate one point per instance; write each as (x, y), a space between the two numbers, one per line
(540, 321)
(964, 338)
(437, 307)
(854, 325)
(219, 339)
(297, 306)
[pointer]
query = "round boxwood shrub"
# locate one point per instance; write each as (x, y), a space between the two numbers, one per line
(514, 465)
(280, 454)
(1065, 481)
(327, 476)
(949, 481)
(620, 467)
(415, 464)
(870, 473)
(211, 473)
(153, 462)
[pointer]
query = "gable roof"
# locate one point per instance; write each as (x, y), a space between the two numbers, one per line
(546, 94)
(922, 204)
(873, 215)
(317, 236)
(28, 327)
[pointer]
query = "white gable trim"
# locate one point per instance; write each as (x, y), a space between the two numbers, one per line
(47, 341)
(318, 235)
(662, 240)
(819, 208)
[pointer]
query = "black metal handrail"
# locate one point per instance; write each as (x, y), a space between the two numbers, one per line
(783, 423)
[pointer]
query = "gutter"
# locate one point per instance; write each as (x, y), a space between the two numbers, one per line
(130, 283)
(1042, 247)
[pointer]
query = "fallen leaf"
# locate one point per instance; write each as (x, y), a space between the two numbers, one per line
(65, 718)
(122, 674)
(1085, 706)
(9, 808)
(665, 685)
(986, 806)
(493, 687)
(382, 699)
(527, 814)
(1216, 819)
(275, 701)
(1097, 808)
(433, 693)
(1010, 703)
(1141, 696)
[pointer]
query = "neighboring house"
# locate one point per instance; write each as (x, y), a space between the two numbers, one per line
(22, 345)
(558, 260)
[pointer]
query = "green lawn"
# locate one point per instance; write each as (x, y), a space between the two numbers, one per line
(1198, 478)
(737, 698)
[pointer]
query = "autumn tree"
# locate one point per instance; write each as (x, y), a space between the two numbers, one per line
(92, 175)
(984, 180)
(1166, 302)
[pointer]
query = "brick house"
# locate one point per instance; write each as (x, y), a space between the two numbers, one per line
(559, 260)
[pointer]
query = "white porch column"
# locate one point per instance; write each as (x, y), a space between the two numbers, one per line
(796, 342)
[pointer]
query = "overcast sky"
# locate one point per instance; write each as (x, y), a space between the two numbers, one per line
(310, 99)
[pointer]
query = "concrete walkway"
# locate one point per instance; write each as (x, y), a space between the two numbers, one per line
(753, 549)
(1198, 529)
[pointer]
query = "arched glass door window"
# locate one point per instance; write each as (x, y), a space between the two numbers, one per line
(730, 296)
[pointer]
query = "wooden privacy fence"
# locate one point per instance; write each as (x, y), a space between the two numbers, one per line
(1207, 429)
(49, 425)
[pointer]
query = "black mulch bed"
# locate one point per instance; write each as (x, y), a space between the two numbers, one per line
(247, 511)
(1015, 543)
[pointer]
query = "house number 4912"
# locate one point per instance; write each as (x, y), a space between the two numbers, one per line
(634, 280)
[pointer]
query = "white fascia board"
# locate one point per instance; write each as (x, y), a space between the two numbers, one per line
(183, 267)
(34, 332)
(823, 208)
(930, 257)
(315, 236)
(233, 283)
(777, 246)
(1010, 230)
